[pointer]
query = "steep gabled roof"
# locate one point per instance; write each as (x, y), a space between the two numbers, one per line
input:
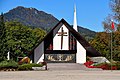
(90, 50)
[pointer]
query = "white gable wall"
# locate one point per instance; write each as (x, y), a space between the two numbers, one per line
(39, 53)
(81, 54)
(57, 40)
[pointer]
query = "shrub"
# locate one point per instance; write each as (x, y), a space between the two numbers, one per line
(88, 63)
(28, 66)
(25, 67)
(12, 64)
(88, 58)
(118, 65)
(36, 65)
(8, 64)
(106, 66)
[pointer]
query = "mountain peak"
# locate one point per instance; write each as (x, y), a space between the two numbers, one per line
(31, 17)
(21, 7)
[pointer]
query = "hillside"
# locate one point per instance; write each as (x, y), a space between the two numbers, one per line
(31, 17)
(88, 34)
(35, 18)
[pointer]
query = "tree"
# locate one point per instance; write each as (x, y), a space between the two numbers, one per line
(118, 28)
(116, 45)
(2, 26)
(21, 39)
(39, 34)
(115, 7)
(115, 15)
(3, 49)
(107, 23)
(101, 42)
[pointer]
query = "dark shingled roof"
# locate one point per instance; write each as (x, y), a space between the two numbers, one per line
(92, 52)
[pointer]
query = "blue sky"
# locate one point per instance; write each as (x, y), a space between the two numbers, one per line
(90, 13)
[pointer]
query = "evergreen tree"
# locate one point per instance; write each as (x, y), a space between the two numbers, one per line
(3, 50)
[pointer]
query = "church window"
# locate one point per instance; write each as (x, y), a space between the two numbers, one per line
(72, 42)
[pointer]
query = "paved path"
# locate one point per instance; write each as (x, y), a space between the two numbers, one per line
(61, 72)
(69, 66)
(60, 75)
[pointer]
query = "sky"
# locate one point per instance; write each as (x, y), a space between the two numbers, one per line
(90, 13)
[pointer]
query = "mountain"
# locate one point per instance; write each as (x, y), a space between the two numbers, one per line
(35, 18)
(31, 17)
(88, 34)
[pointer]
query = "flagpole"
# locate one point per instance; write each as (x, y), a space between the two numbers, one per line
(112, 29)
(111, 50)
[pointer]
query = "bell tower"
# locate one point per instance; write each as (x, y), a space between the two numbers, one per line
(81, 52)
(75, 19)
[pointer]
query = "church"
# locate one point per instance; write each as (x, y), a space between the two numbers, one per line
(63, 44)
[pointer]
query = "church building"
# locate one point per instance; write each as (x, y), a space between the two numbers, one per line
(63, 44)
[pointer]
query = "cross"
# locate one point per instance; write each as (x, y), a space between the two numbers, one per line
(62, 33)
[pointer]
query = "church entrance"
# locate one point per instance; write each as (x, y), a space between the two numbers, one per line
(60, 57)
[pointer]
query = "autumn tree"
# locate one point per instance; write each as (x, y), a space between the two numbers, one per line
(115, 16)
(115, 7)
(101, 43)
